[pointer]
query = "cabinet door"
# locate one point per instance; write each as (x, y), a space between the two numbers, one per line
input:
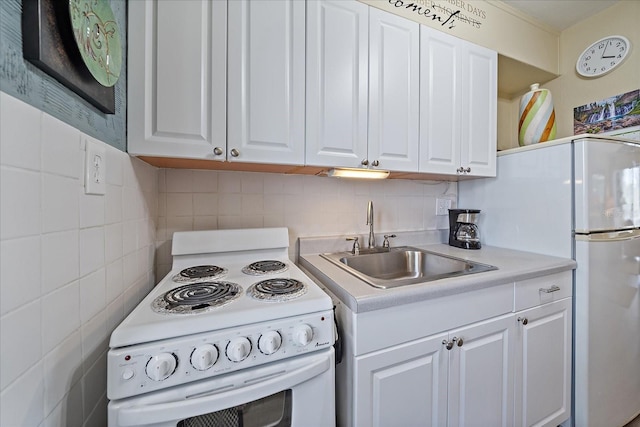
(266, 81)
(177, 78)
(543, 365)
(337, 82)
(479, 120)
(481, 374)
(394, 67)
(440, 111)
(405, 385)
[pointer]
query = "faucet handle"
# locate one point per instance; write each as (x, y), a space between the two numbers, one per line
(356, 245)
(385, 243)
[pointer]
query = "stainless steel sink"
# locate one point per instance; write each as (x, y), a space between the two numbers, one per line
(405, 265)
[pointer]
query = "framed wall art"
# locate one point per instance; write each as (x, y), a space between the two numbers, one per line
(54, 40)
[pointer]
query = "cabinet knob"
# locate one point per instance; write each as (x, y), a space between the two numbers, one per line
(467, 170)
(448, 344)
(523, 320)
(458, 341)
(217, 151)
(234, 152)
(375, 163)
(364, 162)
(460, 169)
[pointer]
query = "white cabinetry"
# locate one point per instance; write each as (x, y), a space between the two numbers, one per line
(435, 381)
(180, 97)
(458, 106)
(405, 385)
(481, 374)
(362, 87)
(266, 81)
(177, 78)
(543, 351)
(500, 356)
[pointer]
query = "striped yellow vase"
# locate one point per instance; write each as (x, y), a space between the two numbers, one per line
(537, 117)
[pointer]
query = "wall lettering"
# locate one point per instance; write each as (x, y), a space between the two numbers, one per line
(446, 16)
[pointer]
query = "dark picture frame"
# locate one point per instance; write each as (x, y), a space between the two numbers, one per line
(49, 44)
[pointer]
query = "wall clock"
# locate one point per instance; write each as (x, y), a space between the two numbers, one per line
(603, 56)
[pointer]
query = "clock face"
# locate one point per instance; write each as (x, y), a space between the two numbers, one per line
(603, 56)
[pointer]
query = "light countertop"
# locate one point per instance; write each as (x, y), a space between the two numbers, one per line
(513, 266)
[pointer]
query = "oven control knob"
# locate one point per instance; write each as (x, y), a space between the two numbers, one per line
(161, 367)
(302, 335)
(269, 342)
(238, 349)
(203, 357)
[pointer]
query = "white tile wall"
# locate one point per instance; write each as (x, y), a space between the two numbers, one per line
(307, 205)
(72, 266)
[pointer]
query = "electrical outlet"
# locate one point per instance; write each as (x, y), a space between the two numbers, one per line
(95, 169)
(443, 206)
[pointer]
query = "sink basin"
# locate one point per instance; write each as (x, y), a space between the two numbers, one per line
(403, 266)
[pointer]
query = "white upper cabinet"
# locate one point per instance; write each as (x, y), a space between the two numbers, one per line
(362, 87)
(337, 82)
(458, 106)
(266, 81)
(394, 98)
(177, 78)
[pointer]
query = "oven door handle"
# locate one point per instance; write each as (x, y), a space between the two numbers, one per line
(221, 399)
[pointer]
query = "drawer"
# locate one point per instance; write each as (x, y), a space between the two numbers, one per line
(541, 290)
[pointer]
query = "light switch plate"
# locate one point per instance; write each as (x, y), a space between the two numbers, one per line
(95, 169)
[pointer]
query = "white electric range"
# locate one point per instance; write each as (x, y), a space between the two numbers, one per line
(234, 322)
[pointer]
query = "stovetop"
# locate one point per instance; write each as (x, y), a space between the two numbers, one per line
(160, 316)
(146, 324)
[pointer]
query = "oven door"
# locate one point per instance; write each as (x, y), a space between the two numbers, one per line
(295, 392)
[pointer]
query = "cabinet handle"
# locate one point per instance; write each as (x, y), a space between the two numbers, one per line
(554, 288)
(523, 320)
(234, 152)
(217, 151)
(467, 170)
(364, 162)
(448, 344)
(460, 169)
(375, 163)
(458, 341)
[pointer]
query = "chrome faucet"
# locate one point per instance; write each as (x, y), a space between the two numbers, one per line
(372, 237)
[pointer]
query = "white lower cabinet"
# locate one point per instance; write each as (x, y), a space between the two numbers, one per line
(543, 365)
(404, 385)
(460, 378)
(496, 357)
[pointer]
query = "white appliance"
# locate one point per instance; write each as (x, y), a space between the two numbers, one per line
(579, 198)
(234, 335)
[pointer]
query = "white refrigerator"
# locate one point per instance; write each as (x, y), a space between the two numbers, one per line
(579, 198)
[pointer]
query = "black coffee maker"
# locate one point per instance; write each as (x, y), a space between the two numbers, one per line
(463, 228)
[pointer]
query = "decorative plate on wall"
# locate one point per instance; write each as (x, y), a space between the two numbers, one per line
(98, 38)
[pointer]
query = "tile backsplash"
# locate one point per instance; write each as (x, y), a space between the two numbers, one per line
(72, 266)
(307, 205)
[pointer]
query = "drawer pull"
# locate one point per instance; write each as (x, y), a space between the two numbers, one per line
(553, 288)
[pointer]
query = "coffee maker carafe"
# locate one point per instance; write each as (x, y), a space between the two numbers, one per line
(463, 228)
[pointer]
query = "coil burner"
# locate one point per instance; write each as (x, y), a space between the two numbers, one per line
(200, 273)
(277, 290)
(260, 268)
(196, 298)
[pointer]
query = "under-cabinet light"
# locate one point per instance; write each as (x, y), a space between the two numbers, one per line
(358, 173)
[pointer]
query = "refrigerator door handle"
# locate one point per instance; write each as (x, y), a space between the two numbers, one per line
(609, 236)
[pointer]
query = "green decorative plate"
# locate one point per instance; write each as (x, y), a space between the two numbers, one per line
(98, 38)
